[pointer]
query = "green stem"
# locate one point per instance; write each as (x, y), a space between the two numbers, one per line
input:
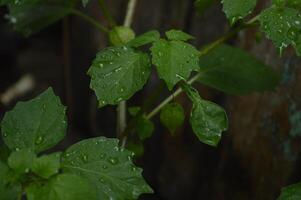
(91, 20)
(106, 13)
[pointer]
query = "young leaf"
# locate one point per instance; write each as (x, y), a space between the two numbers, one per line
(47, 165)
(234, 71)
(38, 124)
(63, 186)
(174, 60)
(107, 167)
(145, 128)
(21, 161)
(207, 119)
(282, 26)
(29, 18)
(172, 116)
(144, 39)
(117, 73)
(238, 9)
(178, 35)
(291, 192)
(8, 189)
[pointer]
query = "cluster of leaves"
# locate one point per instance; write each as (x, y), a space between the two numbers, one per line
(95, 168)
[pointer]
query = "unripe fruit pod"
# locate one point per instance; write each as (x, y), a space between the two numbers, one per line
(120, 35)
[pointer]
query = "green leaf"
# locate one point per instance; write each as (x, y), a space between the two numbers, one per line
(38, 124)
(144, 39)
(47, 165)
(178, 35)
(85, 2)
(172, 116)
(134, 110)
(136, 147)
(8, 189)
(234, 71)
(30, 18)
(117, 73)
(121, 35)
(238, 9)
(282, 26)
(145, 128)
(107, 167)
(294, 3)
(202, 5)
(208, 120)
(174, 60)
(63, 186)
(21, 161)
(291, 192)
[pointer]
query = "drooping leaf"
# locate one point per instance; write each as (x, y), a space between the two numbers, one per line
(234, 71)
(63, 186)
(107, 167)
(8, 189)
(172, 116)
(145, 128)
(32, 16)
(146, 38)
(21, 161)
(208, 120)
(238, 9)
(175, 60)
(38, 124)
(47, 165)
(291, 192)
(282, 26)
(178, 35)
(117, 73)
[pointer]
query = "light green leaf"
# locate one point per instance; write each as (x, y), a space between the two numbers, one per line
(8, 189)
(64, 187)
(234, 71)
(282, 26)
(238, 9)
(47, 165)
(144, 39)
(145, 128)
(38, 124)
(32, 17)
(291, 192)
(21, 161)
(107, 167)
(208, 120)
(117, 73)
(178, 35)
(174, 60)
(172, 116)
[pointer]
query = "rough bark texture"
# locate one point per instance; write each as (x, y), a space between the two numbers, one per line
(258, 155)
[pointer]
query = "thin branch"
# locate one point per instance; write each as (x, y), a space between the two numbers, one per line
(121, 110)
(91, 20)
(106, 13)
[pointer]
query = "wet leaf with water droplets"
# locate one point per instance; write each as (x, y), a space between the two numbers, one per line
(35, 124)
(175, 60)
(21, 161)
(117, 73)
(282, 26)
(62, 186)
(238, 9)
(208, 120)
(112, 174)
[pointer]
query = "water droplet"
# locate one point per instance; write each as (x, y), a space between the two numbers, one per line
(26, 170)
(4, 134)
(39, 140)
(102, 156)
(85, 158)
(113, 161)
(101, 65)
(101, 180)
(104, 167)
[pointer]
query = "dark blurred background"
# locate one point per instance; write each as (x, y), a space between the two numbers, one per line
(258, 155)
